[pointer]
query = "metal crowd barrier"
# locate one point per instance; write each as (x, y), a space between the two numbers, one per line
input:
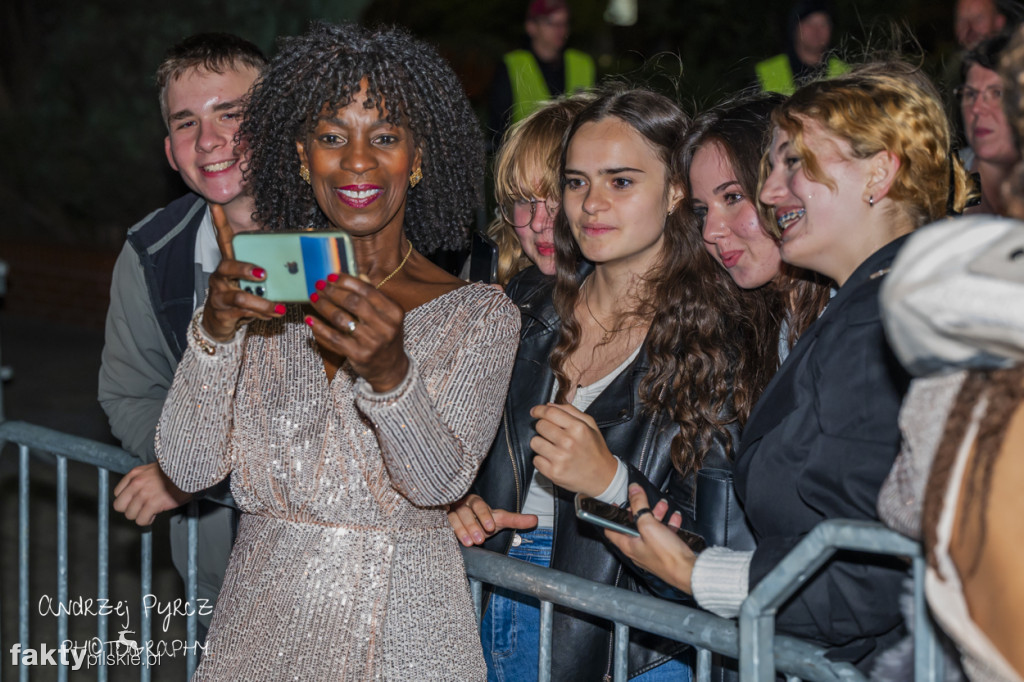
(752, 640)
(106, 459)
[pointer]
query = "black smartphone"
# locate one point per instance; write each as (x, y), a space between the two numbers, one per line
(621, 520)
(483, 259)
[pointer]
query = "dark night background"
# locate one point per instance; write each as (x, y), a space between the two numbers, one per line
(82, 137)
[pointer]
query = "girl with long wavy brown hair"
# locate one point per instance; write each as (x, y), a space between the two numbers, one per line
(624, 372)
(721, 158)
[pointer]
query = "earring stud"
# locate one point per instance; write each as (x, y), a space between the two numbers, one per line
(415, 177)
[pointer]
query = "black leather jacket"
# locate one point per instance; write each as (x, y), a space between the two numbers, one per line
(582, 645)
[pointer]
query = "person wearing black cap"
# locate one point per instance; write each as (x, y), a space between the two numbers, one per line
(539, 72)
(809, 32)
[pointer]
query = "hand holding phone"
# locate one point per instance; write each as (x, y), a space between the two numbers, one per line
(228, 307)
(620, 519)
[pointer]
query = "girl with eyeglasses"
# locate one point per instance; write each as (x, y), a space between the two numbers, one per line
(526, 188)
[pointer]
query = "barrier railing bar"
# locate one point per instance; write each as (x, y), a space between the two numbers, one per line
(757, 614)
(102, 561)
(190, 586)
(547, 612)
(621, 658)
(62, 560)
(651, 614)
(100, 455)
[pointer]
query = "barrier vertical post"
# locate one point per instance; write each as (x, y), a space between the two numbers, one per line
(23, 527)
(544, 659)
(621, 670)
(62, 560)
(190, 585)
(928, 663)
(145, 623)
(102, 562)
(703, 670)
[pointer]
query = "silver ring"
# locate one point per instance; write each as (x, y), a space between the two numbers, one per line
(351, 326)
(641, 512)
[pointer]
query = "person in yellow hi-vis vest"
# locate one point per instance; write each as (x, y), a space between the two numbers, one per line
(541, 71)
(809, 32)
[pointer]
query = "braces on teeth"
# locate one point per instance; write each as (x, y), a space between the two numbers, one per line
(790, 217)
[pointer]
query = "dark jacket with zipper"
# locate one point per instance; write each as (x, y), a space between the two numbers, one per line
(582, 644)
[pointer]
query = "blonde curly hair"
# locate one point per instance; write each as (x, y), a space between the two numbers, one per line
(526, 167)
(885, 106)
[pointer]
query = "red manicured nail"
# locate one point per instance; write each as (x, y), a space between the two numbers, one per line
(259, 273)
(280, 309)
(333, 277)
(309, 320)
(320, 284)
(314, 297)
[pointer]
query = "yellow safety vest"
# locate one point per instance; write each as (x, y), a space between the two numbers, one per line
(528, 86)
(775, 75)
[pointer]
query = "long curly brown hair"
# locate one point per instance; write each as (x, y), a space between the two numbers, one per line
(795, 297)
(696, 320)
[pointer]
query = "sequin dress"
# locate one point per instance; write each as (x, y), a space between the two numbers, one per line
(345, 567)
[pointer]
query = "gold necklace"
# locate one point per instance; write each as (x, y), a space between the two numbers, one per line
(607, 332)
(395, 271)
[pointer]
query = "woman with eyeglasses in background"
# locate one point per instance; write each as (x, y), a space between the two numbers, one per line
(992, 151)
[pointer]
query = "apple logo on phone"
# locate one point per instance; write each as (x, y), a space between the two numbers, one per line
(292, 266)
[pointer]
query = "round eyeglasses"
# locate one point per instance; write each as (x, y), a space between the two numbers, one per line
(520, 212)
(992, 95)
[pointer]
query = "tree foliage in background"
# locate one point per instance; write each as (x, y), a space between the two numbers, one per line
(81, 132)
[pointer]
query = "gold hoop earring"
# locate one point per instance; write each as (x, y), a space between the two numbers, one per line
(304, 174)
(415, 177)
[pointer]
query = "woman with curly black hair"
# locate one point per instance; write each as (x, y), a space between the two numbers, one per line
(348, 424)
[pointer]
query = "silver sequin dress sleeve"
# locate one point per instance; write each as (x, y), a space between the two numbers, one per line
(345, 567)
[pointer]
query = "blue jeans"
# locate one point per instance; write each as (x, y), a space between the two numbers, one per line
(510, 630)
